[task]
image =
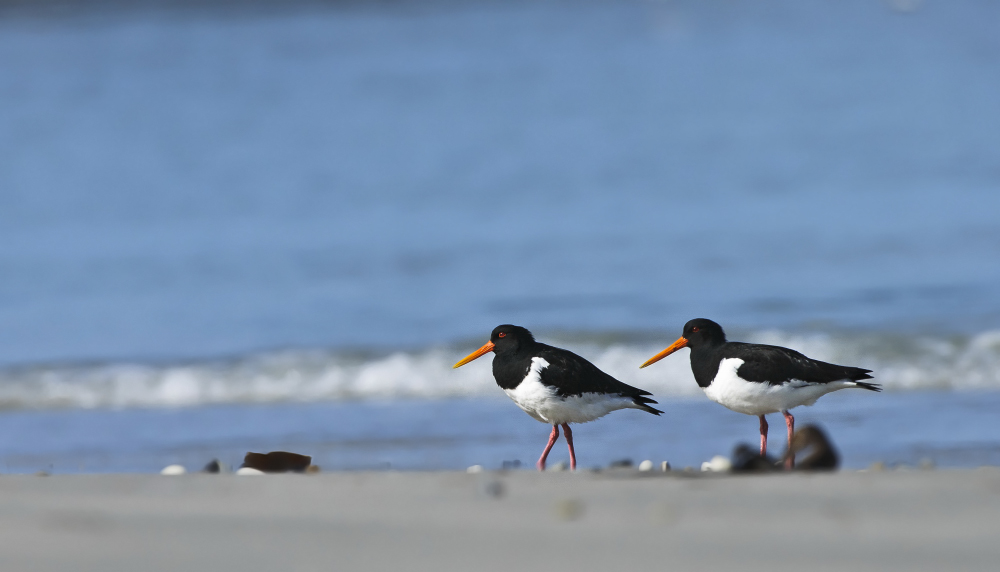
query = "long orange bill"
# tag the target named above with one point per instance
(680, 343)
(483, 350)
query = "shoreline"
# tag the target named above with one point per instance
(949, 429)
(912, 520)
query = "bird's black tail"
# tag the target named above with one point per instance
(643, 403)
(856, 374)
(869, 386)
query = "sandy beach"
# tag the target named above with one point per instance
(893, 520)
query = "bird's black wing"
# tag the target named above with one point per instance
(777, 365)
(570, 375)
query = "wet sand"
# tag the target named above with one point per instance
(893, 520)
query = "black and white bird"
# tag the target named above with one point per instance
(555, 386)
(758, 379)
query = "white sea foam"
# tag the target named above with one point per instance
(900, 363)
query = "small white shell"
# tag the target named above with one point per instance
(718, 464)
(249, 471)
(173, 470)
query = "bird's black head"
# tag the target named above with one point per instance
(697, 333)
(703, 332)
(505, 339)
(508, 338)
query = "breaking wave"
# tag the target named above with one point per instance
(899, 362)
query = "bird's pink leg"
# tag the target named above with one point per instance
(569, 441)
(790, 421)
(552, 441)
(763, 436)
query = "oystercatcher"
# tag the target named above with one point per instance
(757, 379)
(555, 386)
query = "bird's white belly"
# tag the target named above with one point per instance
(754, 398)
(543, 404)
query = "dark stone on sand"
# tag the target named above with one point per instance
(213, 466)
(620, 464)
(746, 459)
(822, 454)
(277, 462)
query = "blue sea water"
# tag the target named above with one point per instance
(230, 211)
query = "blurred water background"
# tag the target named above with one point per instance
(240, 225)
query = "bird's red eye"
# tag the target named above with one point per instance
(695, 329)
(501, 334)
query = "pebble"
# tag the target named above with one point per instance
(665, 466)
(243, 471)
(213, 466)
(718, 464)
(646, 465)
(474, 469)
(173, 470)
(560, 466)
(277, 462)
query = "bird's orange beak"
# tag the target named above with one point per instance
(483, 350)
(680, 343)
